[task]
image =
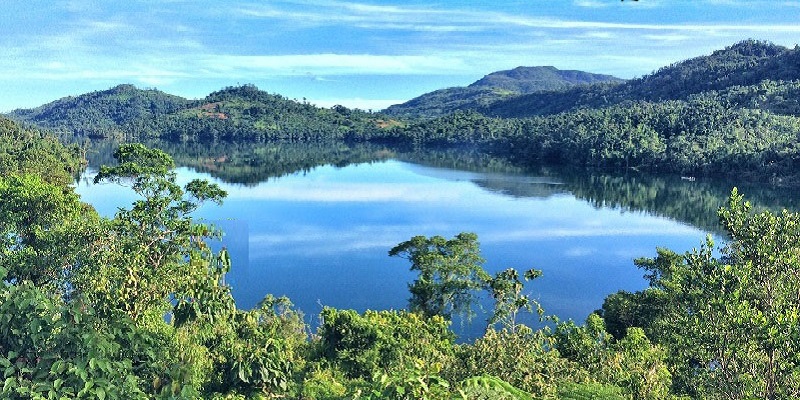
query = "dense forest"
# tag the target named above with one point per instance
(242, 113)
(734, 112)
(493, 88)
(136, 306)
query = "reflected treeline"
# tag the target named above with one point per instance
(250, 164)
(491, 173)
(689, 201)
(694, 202)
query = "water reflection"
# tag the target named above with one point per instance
(320, 234)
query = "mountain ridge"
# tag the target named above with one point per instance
(493, 87)
(745, 63)
(232, 113)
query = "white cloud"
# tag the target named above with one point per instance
(335, 64)
(433, 19)
(326, 192)
(365, 16)
(308, 239)
(591, 3)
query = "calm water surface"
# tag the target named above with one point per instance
(321, 237)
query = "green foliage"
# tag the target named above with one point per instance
(731, 113)
(255, 351)
(49, 349)
(494, 87)
(623, 310)
(700, 135)
(29, 151)
(743, 64)
(524, 358)
(487, 387)
(631, 363)
(323, 384)
(450, 272)
(83, 301)
(409, 382)
(589, 391)
(43, 232)
(730, 323)
(506, 289)
(235, 113)
(122, 112)
(378, 342)
(152, 240)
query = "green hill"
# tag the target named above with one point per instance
(495, 87)
(734, 112)
(123, 110)
(234, 113)
(743, 64)
(247, 113)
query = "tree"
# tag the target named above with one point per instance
(506, 289)
(450, 271)
(731, 323)
(44, 231)
(148, 246)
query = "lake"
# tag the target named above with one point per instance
(321, 236)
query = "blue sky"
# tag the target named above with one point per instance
(364, 53)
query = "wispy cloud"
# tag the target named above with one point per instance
(585, 232)
(367, 16)
(335, 64)
(591, 3)
(326, 192)
(316, 240)
(415, 18)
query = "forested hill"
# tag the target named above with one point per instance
(242, 113)
(743, 64)
(494, 87)
(123, 110)
(734, 112)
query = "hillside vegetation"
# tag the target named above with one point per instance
(743, 64)
(494, 87)
(733, 112)
(242, 113)
(30, 151)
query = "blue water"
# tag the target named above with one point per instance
(321, 237)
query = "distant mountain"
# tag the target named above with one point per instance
(233, 113)
(743, 64)
(534, 79)
(494, 87)
(121, 110)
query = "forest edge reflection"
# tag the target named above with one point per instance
(694, 202)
